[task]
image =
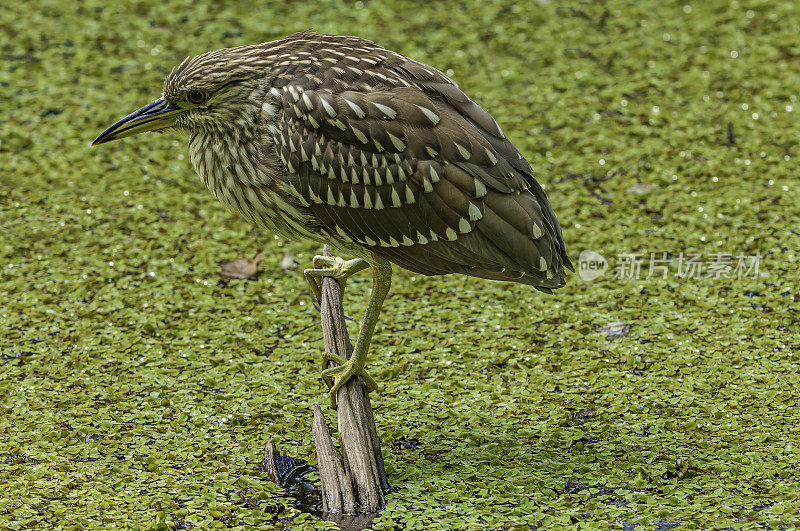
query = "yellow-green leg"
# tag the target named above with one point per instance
(341, 269)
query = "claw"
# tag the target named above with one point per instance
(330, 261)
(336, 377)
(315, 282)
(334, 267)
(326, 357)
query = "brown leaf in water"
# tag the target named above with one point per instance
(242, 268)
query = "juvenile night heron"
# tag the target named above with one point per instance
(336, 139)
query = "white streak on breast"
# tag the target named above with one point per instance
(250, 190)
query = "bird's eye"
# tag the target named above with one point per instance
(196, 96)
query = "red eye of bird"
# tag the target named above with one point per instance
(196, 96)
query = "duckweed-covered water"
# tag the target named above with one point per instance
(137, 389)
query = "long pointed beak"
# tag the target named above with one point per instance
(156, 115)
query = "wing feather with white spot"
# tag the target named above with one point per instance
(390, 154)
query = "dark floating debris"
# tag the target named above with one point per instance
(403, 444)
(283, 468)
(289, 473)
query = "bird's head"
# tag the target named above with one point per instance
(212, 91)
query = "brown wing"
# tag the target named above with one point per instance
(390, 154)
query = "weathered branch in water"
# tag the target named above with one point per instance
(357, 482)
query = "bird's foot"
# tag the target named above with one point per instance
(335, 377)
(334, 267)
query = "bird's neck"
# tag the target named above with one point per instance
(224, 158)
(230, 150)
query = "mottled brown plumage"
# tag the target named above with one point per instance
(337, 139)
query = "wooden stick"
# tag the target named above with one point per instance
(337, 486)
(357, 483)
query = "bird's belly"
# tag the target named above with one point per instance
(260, 206)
